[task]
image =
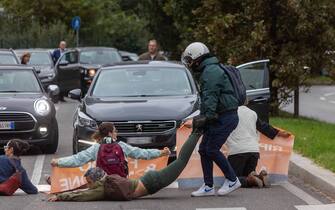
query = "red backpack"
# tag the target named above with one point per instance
(112, 160)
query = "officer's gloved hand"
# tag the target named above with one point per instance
(213, 120)
(199, 122)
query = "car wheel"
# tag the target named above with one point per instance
(52, 148)
(75, 145)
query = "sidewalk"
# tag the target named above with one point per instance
(310, 173)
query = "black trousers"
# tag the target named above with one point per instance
(243, 164)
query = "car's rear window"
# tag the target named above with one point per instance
(142, 82)
(7, 59)
(18, 81)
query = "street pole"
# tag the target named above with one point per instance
(77, 37)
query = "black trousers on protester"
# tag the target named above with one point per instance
(243, 164)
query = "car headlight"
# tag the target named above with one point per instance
(42, 107)
(84, 120)
(187, 121)
(91, 72)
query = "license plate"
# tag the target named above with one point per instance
(4, 125)
(139, 140)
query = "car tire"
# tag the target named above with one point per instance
(51, 148)
(75, 145)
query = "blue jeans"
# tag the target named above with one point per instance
(215, 135)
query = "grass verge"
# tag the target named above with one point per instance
(313, 139)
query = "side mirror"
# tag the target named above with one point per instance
(75, 94)
(126, 58)
(53, 90)
(63, 63)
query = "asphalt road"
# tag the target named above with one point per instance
(280, 197)
(317, 103)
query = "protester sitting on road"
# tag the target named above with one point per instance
(153, 52)
(244, 147)
(114, 187)
(106, 130)
(11, 162)
(25, 58)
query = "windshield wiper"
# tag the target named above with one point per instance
(9, 91)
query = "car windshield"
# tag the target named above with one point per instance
(40, 58)
(142, 82)
(18, 81)
(7, 59)
(99, 56)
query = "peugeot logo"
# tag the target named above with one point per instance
(139, 128)
(2, 108)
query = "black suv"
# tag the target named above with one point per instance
(26, 110)
(148, 101)
(8, 57)
(77, 67)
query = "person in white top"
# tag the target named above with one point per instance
(243, 147)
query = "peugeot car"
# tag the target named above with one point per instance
(149, 100)
(26, 110)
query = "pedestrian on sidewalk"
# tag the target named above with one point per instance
(10, 163)
(153, 52)
(243, 146)
(219, 107)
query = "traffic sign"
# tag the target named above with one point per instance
(75, 23)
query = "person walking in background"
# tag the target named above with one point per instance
(11, 162)
(153, 52)
(219, 107)
(57, 53)
(243, 146)
(25, 58)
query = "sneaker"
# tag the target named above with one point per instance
(204, 190)
(229, 186)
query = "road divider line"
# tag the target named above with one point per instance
(38, 167)
(328, 94)
(322, 98)
(301, 194)
(318, 207)
(232, 208)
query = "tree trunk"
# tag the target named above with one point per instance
(296, 102)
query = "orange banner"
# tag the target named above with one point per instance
(274, 155)
(65, 179)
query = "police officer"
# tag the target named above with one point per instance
(219, 111)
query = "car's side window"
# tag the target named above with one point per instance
(254, 75)
(70, 57)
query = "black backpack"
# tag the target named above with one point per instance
(234, 75)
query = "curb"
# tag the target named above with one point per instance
(310, 173)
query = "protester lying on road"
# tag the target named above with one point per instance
(107, 131)
(114, 187)
(244, 148)
(10, 163)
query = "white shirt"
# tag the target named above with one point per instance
(245, 137)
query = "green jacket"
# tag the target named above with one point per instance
(216, 91)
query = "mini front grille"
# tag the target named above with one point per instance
(22, 121)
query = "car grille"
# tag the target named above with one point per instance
(145, 127)
(22, 121)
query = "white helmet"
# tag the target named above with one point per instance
(192, 52)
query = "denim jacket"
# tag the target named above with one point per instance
(91, 153)
(7, 170)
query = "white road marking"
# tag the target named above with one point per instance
(173, 185)
(38, 167)
(333, 102)
(318, 207)
(301, 194)
(322, 98)
(232, 208)
(328, 94)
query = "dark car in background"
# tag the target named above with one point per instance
(41, 60)
(8, 57)
(77, 67)
(26, 109)
(149, 100)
